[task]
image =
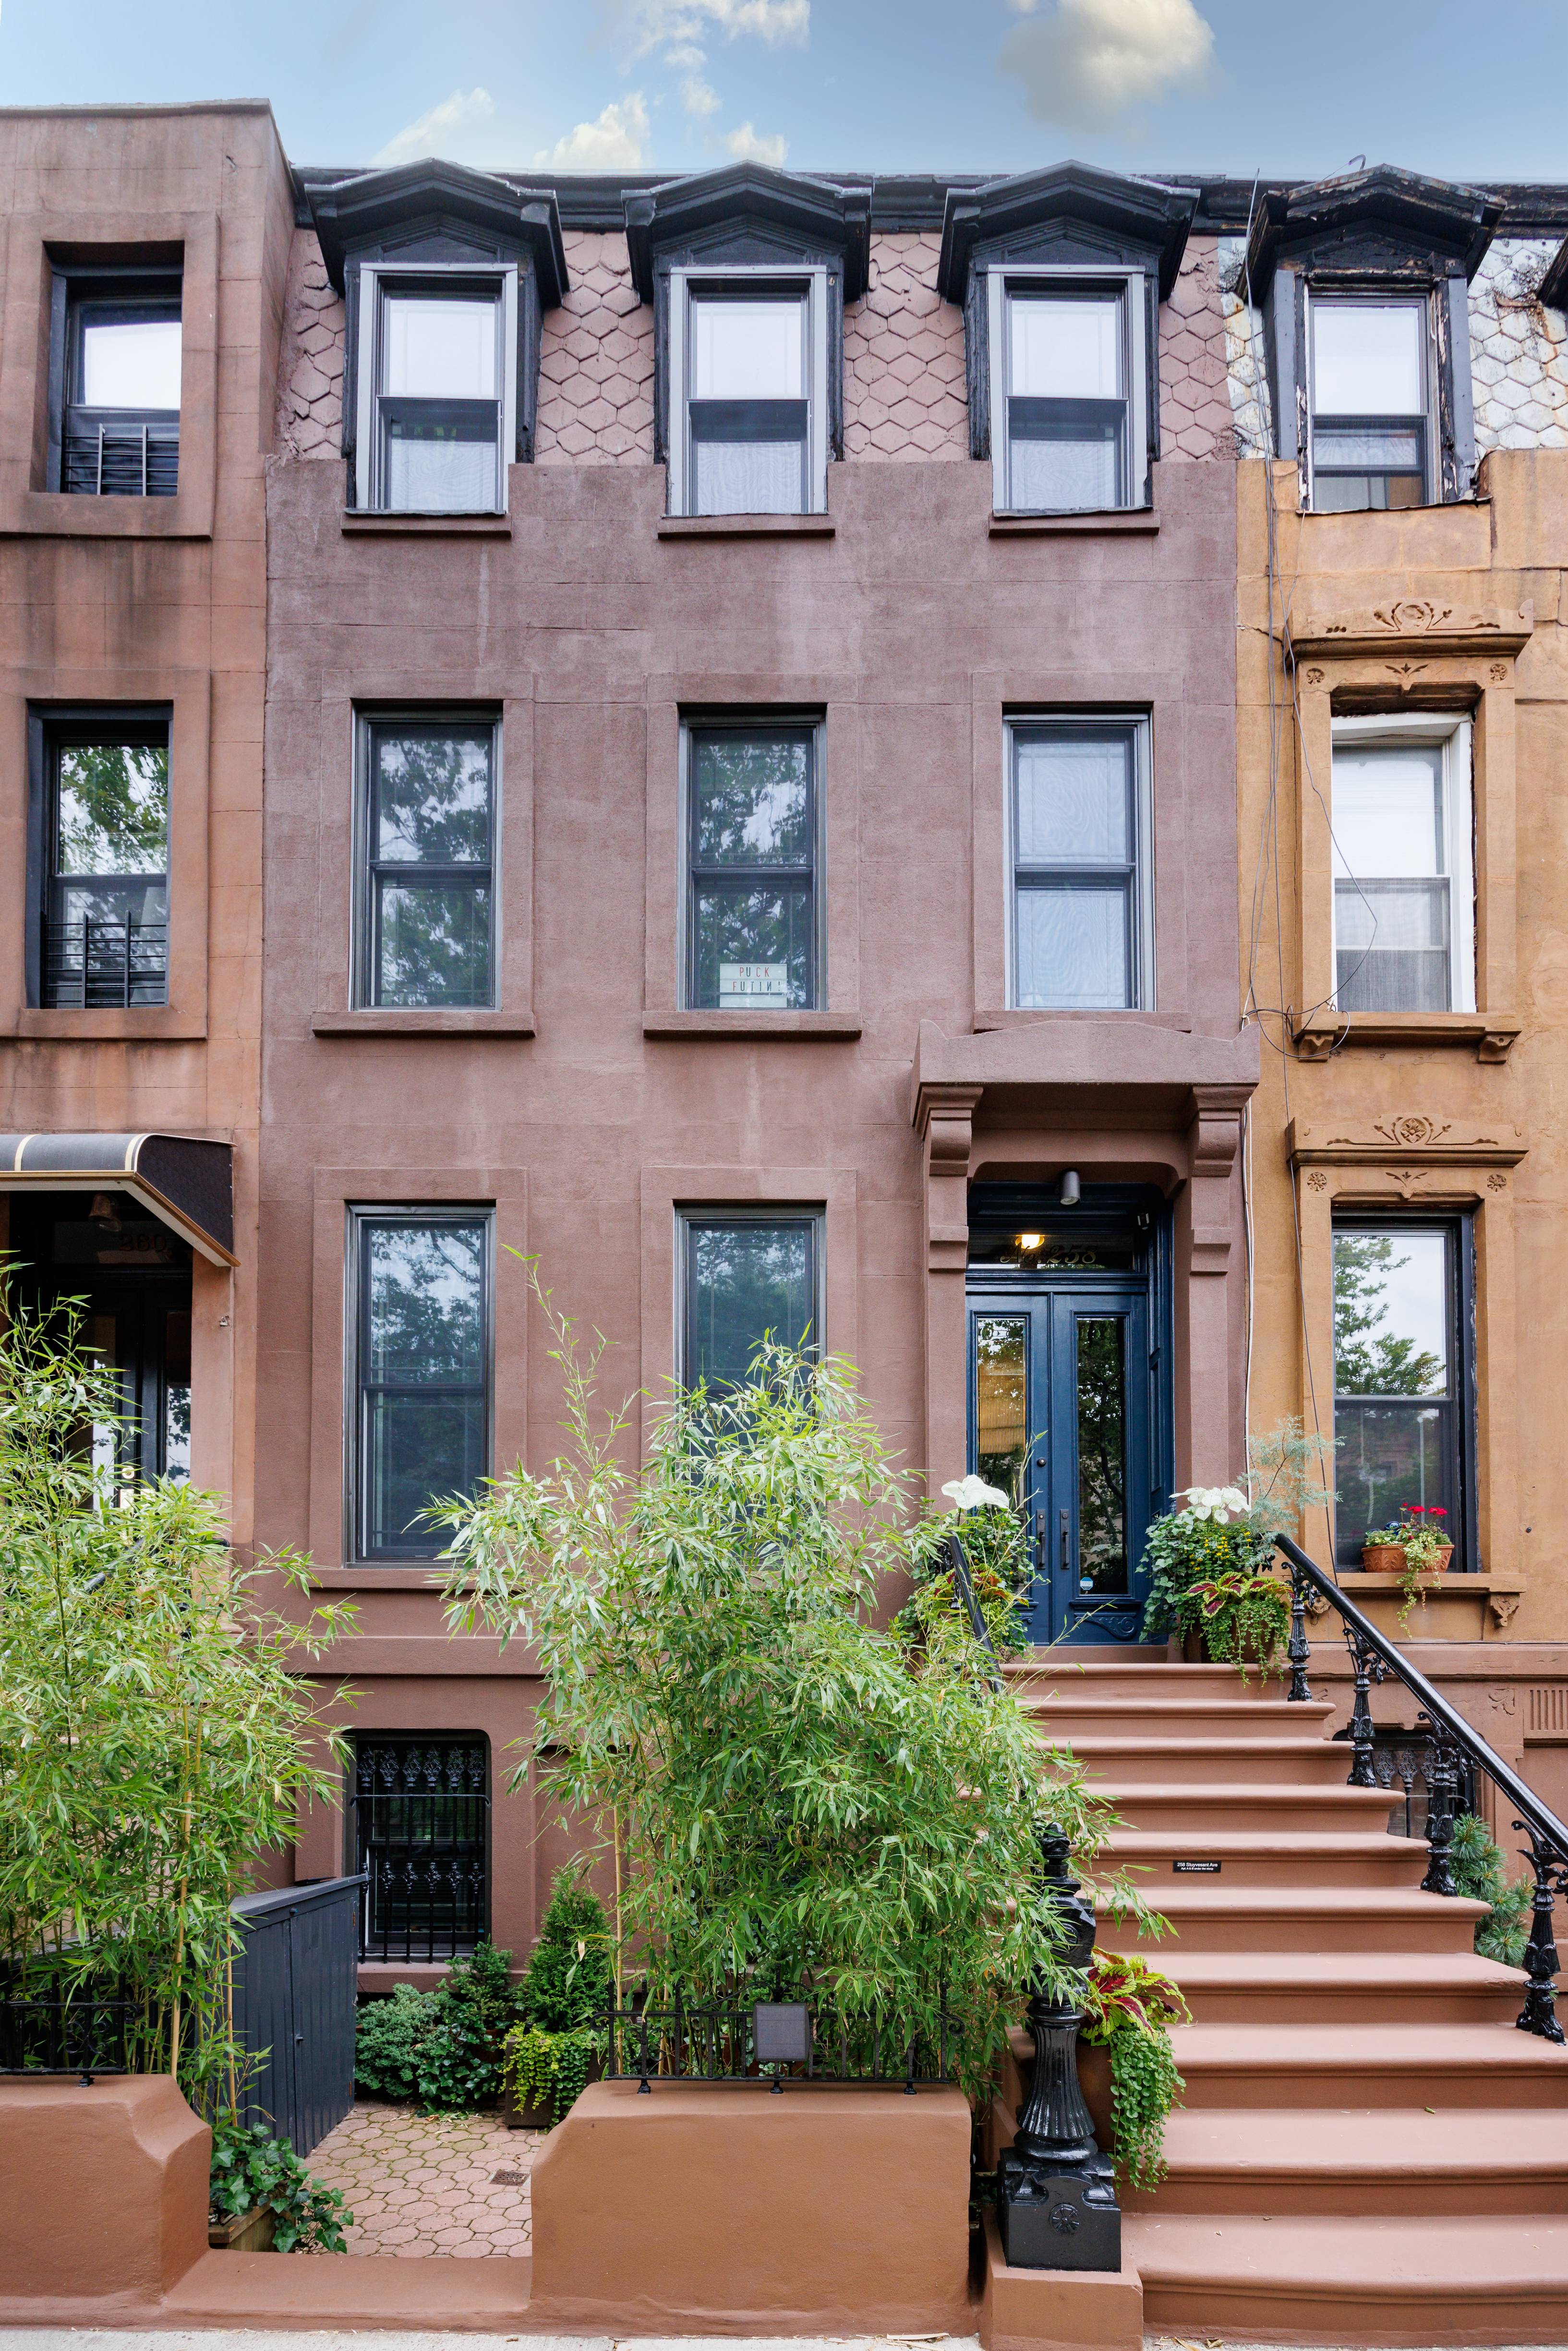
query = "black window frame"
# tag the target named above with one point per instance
(1135, 875)
(381, 1759)
(1371, 298)
(1459, 1443)
(696, 877)
(369, 870)
(130, 442)
(50, 729)
(713, 1215)
(365, 1218)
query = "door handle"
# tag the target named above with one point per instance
(1039, 1540)
(1066, 1539)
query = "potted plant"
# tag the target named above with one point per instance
(1213, 1576)
(1425, 1551)
(1132, 2007)
(1383, 1550)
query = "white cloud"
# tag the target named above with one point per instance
(699, 96)
(442, 130)
(1092, 59)
(748, 147)
(654, 24)
(614, 142)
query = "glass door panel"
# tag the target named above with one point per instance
(1102, 1434)
(1001, 1403)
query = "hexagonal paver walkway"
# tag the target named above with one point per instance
(427, 2184)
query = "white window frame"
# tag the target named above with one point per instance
(747, 1212)
(810, 282)
(1455, 734)
(1377, 297)
(375, 277)
(1141, 991)
(1132, 286)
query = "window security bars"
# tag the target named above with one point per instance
(766, 2042)
(420, 1836)
(1454, 1753)
(1400, 1763)
(90, 964)
(126, 459)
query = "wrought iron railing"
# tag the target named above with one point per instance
(766, 2042)
(50, 2030)
(122, 460)
(1452, 1748)
(94, 964)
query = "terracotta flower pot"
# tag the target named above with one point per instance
(1384, 1559)
(1439, 1565)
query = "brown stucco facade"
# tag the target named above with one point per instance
(153, 601)
(588, 1106)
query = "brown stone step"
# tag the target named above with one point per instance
(1343, 1987)
(1392, 2160)
(1174, 1806)
(1069, 1716)
(1208, 1916)
(1262, 1857)
(1291, 1762)
(1354, 2064)
(1049, 1671)
(1346, 2278)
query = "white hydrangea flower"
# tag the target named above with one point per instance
(974, 1494)
(1219, 1503)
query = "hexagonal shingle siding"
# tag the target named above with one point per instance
(904, 359)
(310, 363)
(596, 362)
(1196, 418)
(1519, 351)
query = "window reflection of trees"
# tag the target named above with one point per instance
(1103, 1453)
(746, 1280)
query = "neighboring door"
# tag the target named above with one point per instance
(1059, 1391)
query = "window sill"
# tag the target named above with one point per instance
(133, 1024)
(1490, 1036)
(1040, 1015)
(60, 513)
(1136, 521)
(390, 1020)
(426, 526)
(419, 1575)
(804, 525)
(830, 1027)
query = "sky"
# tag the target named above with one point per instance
(1456, 89)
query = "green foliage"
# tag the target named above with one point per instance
(114, 808)
(440, 2049)
(1209, 1565)
(152, 1732)
(995, 1546)
(1478, 1866)
(547, 2070)
(1369, 1360)
(571, 1976)
(1245, 1617)
(1183, 1551)
(251, 2168)
(1132, 2008)
(788, 1805)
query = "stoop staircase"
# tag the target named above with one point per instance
(1368, 2149)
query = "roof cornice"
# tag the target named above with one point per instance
(1444, 217)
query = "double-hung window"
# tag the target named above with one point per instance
(1402, 1376)
(114, 424)
(746, 1275)
(421, 1281)
(752, 833)
(1371, 402)
(1404, 910)
(747, 381)
(1080, 832)
(1068, 374)
(427, 829)
(437, 388)
(101, 827)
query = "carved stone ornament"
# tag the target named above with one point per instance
(1498, 672)
(1405, 1146)
(1411, 621)
(1410, 1131)
(1406, 670)
(1504, 1606)
(1497, 1181)
(1318, 1180)
(1315, 677)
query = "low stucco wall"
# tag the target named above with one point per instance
(727, 2210)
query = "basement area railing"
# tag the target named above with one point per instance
(766, 2042)
(1455, 1754)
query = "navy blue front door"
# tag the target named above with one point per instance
(1060, 1383)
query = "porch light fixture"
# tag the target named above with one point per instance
(1071, 1191)
(1029, 1242)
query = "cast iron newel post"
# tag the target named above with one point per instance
(1298, 1652)
(1442, 1785)
(1056, 2192)
(1539, 2015)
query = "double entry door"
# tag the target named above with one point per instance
(1060, 1394)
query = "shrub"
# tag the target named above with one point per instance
(789, 1806)
(566, 1988)
(251, 2168)
(1478, 1866)
(997, 1548)
(440, 2049)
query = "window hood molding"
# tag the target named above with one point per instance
(377, 206)
(1121, 211)
(1409, 621)
(785, 207)
(1381, 218)
(186, 1181)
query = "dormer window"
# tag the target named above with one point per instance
(1370, 420)
(748, 271)
(1070, 372)
(746, 381)
(442, 394)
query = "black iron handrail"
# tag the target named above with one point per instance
(977, 1625)
(1376, 1658)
